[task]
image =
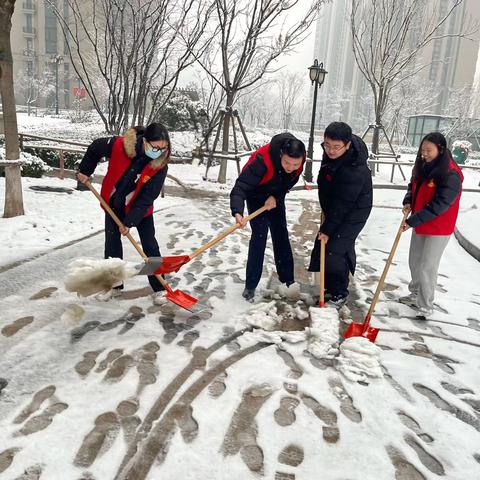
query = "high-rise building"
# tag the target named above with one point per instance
(341, 95)
(450, 62)
(41, 66)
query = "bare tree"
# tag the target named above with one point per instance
(32, 87)
(459, 107)
(211, 97)
(413, 97)
(290, 85)
(252, 35)
(388, 36)
(136, 49)
(13, 175)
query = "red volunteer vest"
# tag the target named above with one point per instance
(117, 166)
(267, 160)
(444, 224)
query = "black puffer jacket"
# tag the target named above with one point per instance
(345, 191)
(248, 185)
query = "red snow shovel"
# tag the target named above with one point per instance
(176, 296)
(174, 263)
(364, 329)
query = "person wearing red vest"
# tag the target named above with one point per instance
(269, 174)
(136, 173)
(433, 198)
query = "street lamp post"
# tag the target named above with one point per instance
(317, 76)
(56, 59)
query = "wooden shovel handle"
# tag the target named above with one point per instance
(322, 265)
(227, 232)
(322, 273)
(109, 210)
(387, 266)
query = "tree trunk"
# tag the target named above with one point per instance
(378, 121)
(13, 178)
(222, 174)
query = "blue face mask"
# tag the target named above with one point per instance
(154, 154)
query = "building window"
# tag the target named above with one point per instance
(50, 31)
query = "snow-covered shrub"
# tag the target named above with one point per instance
(51, 157)
(33, 166)
(181, 113)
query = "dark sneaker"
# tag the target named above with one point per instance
(248, 294)
(336, 301)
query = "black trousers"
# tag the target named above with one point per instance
(274, 220)
(146, 231)
(340, 260)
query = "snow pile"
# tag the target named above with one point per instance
(72, 315)
(323, 334)
(291, 293)
(264, 316)
(359, 359)
(86, 276)
(265, 319)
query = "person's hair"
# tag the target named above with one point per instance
(293, 148)
(153, 133)
(156, 131)
(442, 162)
(338, 131)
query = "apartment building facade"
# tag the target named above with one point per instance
(43, 75)
(450, 62)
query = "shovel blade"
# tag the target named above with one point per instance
(362, 330)
(354, 330)
(171, 264)
(150, 266)
(371, 334)
(181, 299)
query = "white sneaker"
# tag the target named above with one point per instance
(409, 300)
(106, 296)
(159, 298)
(424, 313)
(336, 302)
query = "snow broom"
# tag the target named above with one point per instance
(176, 296)
(174, 263)
(364, 329)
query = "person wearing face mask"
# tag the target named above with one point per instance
(269, 174)
(433, 199)
(345, 195)
(137, 168)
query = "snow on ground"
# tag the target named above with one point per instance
(230, 391)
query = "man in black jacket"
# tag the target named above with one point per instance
(345, 195)
(268, 175)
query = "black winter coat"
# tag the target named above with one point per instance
(345, 191)
(247, 186)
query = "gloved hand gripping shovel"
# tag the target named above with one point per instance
(364, 329)
(174, 263)
(176, 296)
